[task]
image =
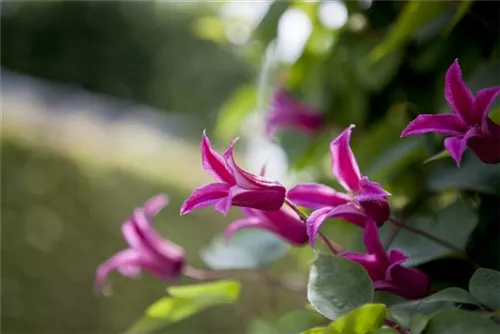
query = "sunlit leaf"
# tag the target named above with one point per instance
(484, 285)
(414, 16)
(248, 249)
(184, 302)
(337, 286)
(363, 320)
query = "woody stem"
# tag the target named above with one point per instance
(332, 246)
(425, 234)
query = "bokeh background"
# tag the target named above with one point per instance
(103, 105)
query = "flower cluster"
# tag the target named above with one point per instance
(266, 204)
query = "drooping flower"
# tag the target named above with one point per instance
(285, 223)
(386, 270)
(147, 250)
(468, 126)
(289, 113)
(364, 198)
(234, 186)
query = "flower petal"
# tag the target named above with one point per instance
(378, 209)
(444, 124)
(344, 165)
(484, 100)
(396, 257)
(456, 147)
(205, 196)
(290, 113)
(347, 212)
(224, 205)
(213, 163)
(459, 96)
(249, 222)
(154, 205)
(371, 190)
(411, 283)
(373, 244)
(375, 269)
(287, 224)
(486, 148)
(316, 196)
(127, 260)
(270, 199)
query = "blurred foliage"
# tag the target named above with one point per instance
(379, 70)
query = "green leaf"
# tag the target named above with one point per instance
(184, 302)
(429, 304)
(248, 249)
(230, 117)
(363, 320)
(459, 322)
(385, 330)
(418, 323)
(484, 285)
(453, 223)
(472, 175)
(459, 14)
(414, 16)
(337, 286)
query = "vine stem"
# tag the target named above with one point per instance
(332, 246)
(429, 236)
(259, 276)
(396, 326)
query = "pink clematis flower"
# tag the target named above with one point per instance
(289, 113)
(285, 223)
(147, 250)
(364, 198)
(468, 126)
(386, 270)
(234, 186)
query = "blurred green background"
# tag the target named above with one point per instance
(104, 104)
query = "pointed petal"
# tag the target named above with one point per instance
(205, 196)
(372, 241)
(410, 283)
(287, 224)
(154, 205)
(224, 205)
(444, 124)
(127, 260)
(484, 100)
(250, 222)
(250, 181)
(371, 190)
(344, 164)
(375, 269)
(314, 223)
(486, 148)
(458, 95)
(345, 212)
(213, 163)
(316, 196)
(396, 257)
(263, 199)
(456, 147)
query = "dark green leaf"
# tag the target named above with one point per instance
(484, 285)
(459, 322)
(472, 175)
(434, 302)
(454, 224)
(248, 249)
(184, 302)
(337, 286)
(418, 323)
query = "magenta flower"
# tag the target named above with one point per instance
(364, 198)
(468, 126)
(234, 186)
(289, 113)
(147, 250)
(386, 270)
(285, 223)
